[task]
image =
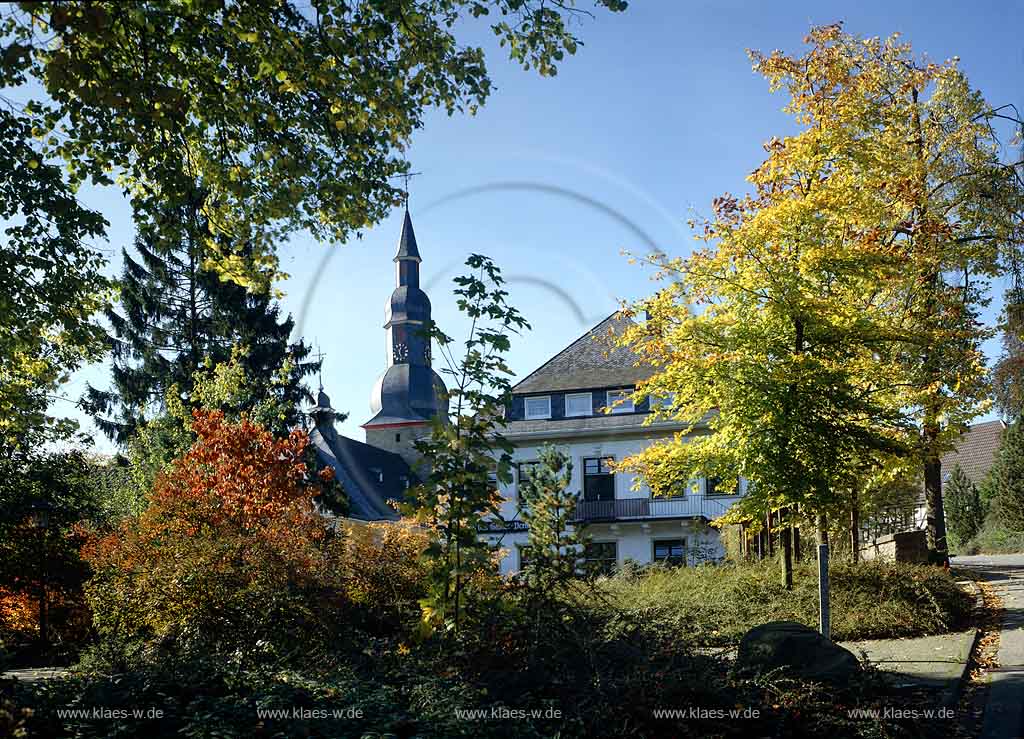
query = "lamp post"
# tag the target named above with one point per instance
(39, 519)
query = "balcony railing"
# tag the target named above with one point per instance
(634, 509)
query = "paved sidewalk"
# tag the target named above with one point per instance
(935, 662)
(33, 674)
(1004, 714)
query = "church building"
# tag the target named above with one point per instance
(578, 401)
(402, 403)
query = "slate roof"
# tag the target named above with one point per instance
(975, 450)
(369, 475)
(407, 248)
(592, 361)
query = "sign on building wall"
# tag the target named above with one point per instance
(500, 526)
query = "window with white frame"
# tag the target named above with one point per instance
(601, 557)
(670, 551)
(663, 400)
(713, 486)
(620, 401)
(578, 404)
(538, 407)
(524, 556)
(523, 471)
(492, 476)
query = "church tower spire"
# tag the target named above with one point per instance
(409, 393)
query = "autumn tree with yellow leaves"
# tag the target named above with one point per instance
(828, 333)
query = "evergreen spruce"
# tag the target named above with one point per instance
(556, 545)
(175, 316)
(1007, 478)
(1008, 373)
(964, 511)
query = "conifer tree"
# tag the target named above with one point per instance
(556, 544)
(964, 511)
(1007, 479)
(175, 315)
(1008, 373)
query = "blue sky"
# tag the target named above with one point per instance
(658, 113)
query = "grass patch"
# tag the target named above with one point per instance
(994, 538)
(717, 605)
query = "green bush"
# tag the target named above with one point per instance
(994, 538)
(716, 605)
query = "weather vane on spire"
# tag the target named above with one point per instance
(319, 357)
(405, 177)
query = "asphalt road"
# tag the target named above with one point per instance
(1004, 714)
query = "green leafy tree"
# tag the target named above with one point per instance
(556, 544)
(1007, 479)
(293, 115)
(771, 339)
(464, 447)
(50, 283)
(964, 511)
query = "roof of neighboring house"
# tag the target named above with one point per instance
(370, 476)
(592, 361)
(975, 450)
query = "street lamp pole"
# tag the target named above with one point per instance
(40, 520)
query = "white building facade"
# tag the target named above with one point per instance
(565, 403)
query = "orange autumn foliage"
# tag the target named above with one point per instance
(236, 479)
(229, 542)
(18, 613)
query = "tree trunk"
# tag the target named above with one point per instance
(786, 534)
(768, 533)
(935, 517)
(825, 616)
(855, 528)
(935, 514)
(795, 532)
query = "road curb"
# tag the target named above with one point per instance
(977, 613)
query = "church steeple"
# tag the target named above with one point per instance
(407, 312)
(407, 248)
(409, 393)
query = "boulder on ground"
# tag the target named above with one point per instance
(798, 651)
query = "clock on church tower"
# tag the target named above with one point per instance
(409, 393)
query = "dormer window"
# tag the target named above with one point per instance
(538, 407)
(578, 404)
(620, 401)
